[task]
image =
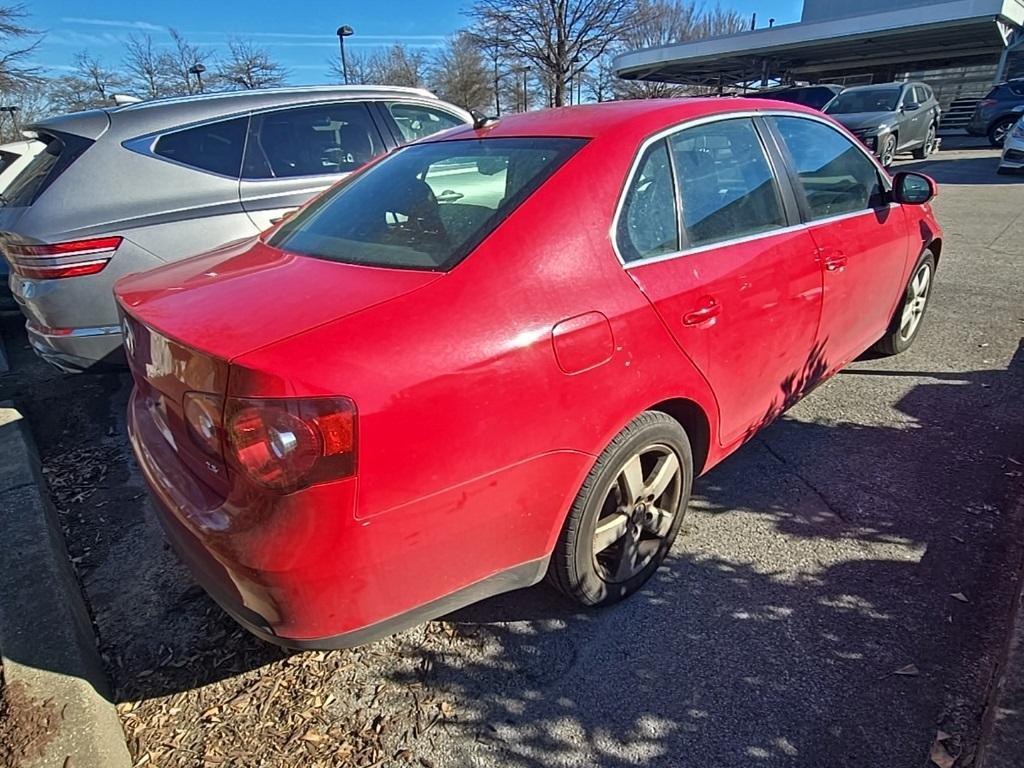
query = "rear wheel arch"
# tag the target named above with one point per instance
(695, 423)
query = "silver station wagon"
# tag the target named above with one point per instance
(129, 188)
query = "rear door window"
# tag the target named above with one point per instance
(426, 206)
(836, 176)
(726, 184)
(318, 140)
(214, 147)
(416, 121)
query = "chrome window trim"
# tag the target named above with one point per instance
(749, 114)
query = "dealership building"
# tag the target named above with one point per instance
(959, 47)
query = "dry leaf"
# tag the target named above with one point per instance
(960, 596)
(940, 755)
(910, 670)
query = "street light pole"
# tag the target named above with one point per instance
(344, 31)
(197, 69)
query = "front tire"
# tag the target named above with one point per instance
(906, 322)
(887, 153)
(627, 514)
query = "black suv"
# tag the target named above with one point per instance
(994, 115)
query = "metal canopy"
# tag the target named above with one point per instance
(940, 34)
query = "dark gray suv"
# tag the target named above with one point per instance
(994, 115)
(126, 189)
(890, 118)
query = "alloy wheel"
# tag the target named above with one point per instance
(917, 299)
(639, 509)
(1000, 131)
(888, 151)
(929, 142)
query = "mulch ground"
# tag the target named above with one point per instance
(26, 725)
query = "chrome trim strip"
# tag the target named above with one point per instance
(85, 332)
(693, 123)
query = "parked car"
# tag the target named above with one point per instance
(994, 115)
(507, 352)
(890, 118)
(129, 188)
(1012, 160)
(813, 96)
(13, 158)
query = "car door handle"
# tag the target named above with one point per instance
(709, 309)
(836, 262)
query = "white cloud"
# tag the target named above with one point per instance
(144, 25)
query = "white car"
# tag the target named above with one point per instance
(1013, 147)
(15, 156)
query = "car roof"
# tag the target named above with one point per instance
(881, 86)
(628, 118)
(159, 114)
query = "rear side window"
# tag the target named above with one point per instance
(1016, 87)
(426, 206)
(60, 152)
(311, 141)
(214, 147)
(6, 158)
(726, 183)
(835, 175)
(648, 223)
(417, 122)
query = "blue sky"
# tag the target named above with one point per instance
(301, 40)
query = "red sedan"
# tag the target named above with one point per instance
(506, 352)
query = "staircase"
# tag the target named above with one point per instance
(959, 114)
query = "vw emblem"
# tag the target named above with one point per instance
(129, 337)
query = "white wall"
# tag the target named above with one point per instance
(819, 10)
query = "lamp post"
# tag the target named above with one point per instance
(344, 31)
(13, 111)
(526, 99)
(197, 69)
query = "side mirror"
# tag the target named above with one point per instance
(911, 106)
(912, 188)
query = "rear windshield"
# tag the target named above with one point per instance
(868, 100)
(427, 206)
(815, 98)
(61, 150)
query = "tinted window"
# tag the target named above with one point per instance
(311, 141)
(60, 152)
(418, 122)
(1016, 87)
(648, 222)
(6, 158)
(867, 100)
(836, 176)
(215, 147)
(426, 206)
(725, 182)
(917, 95)
(815, 97)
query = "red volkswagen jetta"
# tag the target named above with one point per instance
(506, 352)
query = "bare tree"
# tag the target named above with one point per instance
(15, 48)
(459, 73)
(33, 103)
(250, 66)
(90, 84)
(182, 57)
(147, 67)
(360, 68)
(664, 22)
(558, 37)
(400, 65)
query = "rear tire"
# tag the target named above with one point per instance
(627, 514)
(925, 150)
(999, 130)
(907, 320)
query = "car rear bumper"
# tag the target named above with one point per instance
(74, 350)
(266, 578)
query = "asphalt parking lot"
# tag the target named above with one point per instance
(839, 594)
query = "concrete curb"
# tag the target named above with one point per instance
(46, 637)
(1002, 739)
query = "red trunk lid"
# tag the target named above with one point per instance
(245, 296)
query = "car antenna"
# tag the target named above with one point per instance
(480, 120)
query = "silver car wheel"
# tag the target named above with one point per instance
(917, 299)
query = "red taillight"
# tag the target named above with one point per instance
(57, 260)
(988, 102)
(288, 444)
